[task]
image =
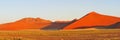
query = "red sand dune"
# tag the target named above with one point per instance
(25, 23)
(93, 19)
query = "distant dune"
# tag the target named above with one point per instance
(25, 23)
(93, 19)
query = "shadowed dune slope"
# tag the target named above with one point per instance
(113, 26)
(93, 19)
(57, 25)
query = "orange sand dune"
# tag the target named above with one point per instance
(26, 23)
(93, 19)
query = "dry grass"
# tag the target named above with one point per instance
(103, 34)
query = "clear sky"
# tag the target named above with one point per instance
(11, 10)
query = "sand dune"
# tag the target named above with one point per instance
(25, 23)
(92, 20)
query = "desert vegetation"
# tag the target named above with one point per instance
(82, 34)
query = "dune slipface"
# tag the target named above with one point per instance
(93, 19)
(25, 23)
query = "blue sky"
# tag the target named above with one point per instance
(11, 10)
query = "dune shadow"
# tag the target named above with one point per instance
(58, 25)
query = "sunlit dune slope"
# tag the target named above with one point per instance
(93, 19)
(25, 23)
